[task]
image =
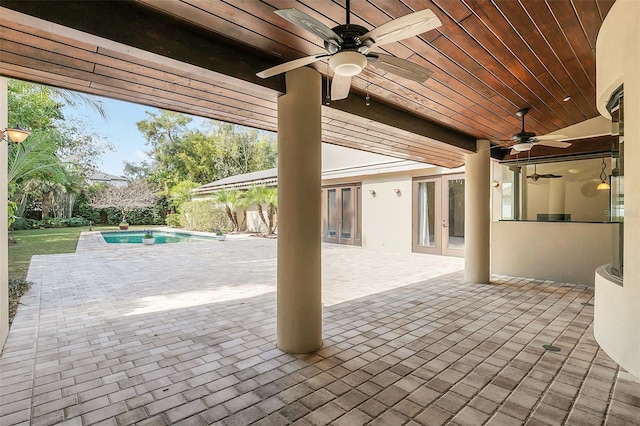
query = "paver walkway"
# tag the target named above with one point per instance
(185, 334)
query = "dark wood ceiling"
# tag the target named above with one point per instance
(490, 58)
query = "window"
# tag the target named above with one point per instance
(556, 191)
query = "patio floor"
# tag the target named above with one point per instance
(185, 334)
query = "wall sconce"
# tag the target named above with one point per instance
(15, 135)
(372, 192)
(603, 186)
(495, 183)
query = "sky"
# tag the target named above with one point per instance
(120, 129)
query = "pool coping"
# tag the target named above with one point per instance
(93, 240)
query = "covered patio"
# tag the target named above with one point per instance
(185, 334)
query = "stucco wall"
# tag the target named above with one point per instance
(566, 252)
(617, 309)
(386, 217)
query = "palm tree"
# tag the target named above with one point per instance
(272, 209)
(222, 197)
(244, 202)
(257, 195)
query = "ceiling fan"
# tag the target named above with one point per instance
(524, 140)
(348, 47)
(535, 176)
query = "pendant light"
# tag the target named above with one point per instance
(603, 186)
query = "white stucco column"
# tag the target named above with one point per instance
(4, 237)
(477, 214)
(616, 324)
(299, 213)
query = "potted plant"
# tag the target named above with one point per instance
(123, 226)
(220, 236)
(148, 237)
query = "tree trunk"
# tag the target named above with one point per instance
(235, 220)
(243, 225)
(262, 218)
(227, 209)
(271, 214)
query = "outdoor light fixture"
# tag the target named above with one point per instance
(603, 186)
(15, 135)
(372, 192)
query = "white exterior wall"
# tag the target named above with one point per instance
(386, 217)
(617, 309)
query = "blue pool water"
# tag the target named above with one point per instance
(135, 237)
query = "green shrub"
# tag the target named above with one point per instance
(175, 220)
(20, 224)
(204, 216)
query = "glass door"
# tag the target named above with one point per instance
(453, 222)
(341, 215)
(426, 216)
(438, 215)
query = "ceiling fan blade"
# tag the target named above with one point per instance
(340, 86)
(551, 137)
(310, 24)
(554, 144)
(291, 65)
(550, 176)
(406, 26)
(400, 67)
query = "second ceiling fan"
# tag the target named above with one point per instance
(524, 140)
(348, 47)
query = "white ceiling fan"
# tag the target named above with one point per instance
(524, 140)
(348, 47)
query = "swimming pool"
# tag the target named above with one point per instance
(162, 237)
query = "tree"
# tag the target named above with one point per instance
(258, 195)
(181, 193)
(179, 152)
(229, 200)
(136, 194)
(271, 198)
(59, 152)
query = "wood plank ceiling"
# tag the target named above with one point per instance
(490, 58)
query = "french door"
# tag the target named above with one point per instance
(341, 214)
(438, 215)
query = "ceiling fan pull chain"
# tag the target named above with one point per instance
(328, 98)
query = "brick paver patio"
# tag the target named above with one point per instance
(185, 334)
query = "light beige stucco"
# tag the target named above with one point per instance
(4, 237)
(299, 314)
(565, 252)
(386, 216)
(477, 214)
(617, 309)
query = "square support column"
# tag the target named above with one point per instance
(299, 312)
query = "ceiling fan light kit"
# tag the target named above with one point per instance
(348, 63)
